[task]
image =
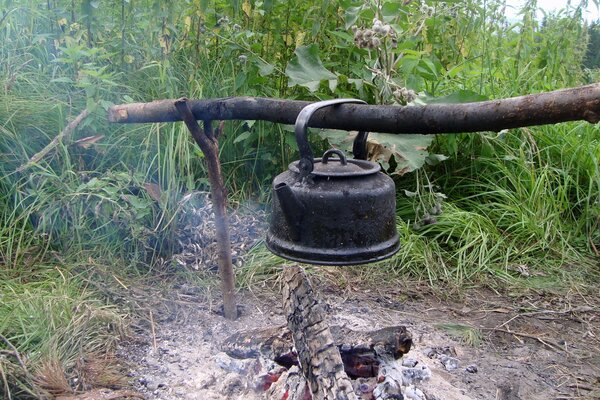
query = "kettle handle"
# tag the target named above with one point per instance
(306, 162)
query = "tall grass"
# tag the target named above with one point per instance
(55, 326)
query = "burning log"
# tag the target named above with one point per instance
(319, 358)
(581, 103)
(362, 352)
(334, 362)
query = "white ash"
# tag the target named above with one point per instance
(413, 375)
(195, 233)
(450, 363)
(413, 393)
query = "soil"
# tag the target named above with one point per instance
(550, 351)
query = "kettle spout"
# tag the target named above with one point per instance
(292, 208)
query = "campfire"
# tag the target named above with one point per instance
(308, 359)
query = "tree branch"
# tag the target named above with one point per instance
(210, 147)
(582, 103)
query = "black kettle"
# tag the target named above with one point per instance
(332, 210)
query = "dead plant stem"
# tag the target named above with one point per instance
(64, 134)
(154, 346)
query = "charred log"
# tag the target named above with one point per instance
(361, 351)
(319, 358)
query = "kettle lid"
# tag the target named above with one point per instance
(338, 167)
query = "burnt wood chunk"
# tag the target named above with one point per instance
(319, 358)
(361, 351)
(273, 343)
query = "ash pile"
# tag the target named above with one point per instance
(196, 238)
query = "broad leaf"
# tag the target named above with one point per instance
(338, 138)
(306, 69)
(390, 11)
(242, 136)
(408, 151)
(461, 96)
(264, 68)
(351, 15)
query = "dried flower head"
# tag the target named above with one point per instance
(404, 95)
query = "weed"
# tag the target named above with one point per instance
(465, 333)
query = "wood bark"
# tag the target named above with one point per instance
(208, 141)
(319, 358)
(582, 103)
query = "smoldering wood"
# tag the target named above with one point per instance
(319, 358)
(581, 103)
(328, 357)
(362, 352)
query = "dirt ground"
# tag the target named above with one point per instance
(530, 348)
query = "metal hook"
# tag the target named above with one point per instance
(306, 163)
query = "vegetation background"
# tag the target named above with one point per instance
(516, 210)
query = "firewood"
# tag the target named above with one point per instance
(361, 351)
(319, 358)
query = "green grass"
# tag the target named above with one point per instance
(51, 319)
(467, 334)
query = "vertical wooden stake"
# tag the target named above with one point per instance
(208, 141)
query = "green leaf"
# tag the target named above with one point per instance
(426, 69)
(409, 151)
(243, 136)
(461, 96)
(351, 15)
(390, 10)
(264, 68)
(136, 202)
(358, 83)
(456, 70)
(338, 138)
(333, 84)
(345, 36)
(435, 159)
(306, 69)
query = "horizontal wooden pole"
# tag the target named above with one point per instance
(581, 103)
